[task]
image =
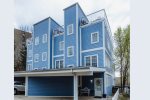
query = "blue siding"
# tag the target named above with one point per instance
(109, 85)
(100, 57)
(86, 36)
(40, 29)
(58, 39)
(70, 40)
(50, 86)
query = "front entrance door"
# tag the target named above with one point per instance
(98, 86)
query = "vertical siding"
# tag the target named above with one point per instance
(50, 86)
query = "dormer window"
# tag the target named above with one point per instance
(70, 29)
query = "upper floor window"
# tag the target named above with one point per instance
(59, 64)
(70, 29)
(44, 56)
(91, 61)
(44, 38)
(36, 41)
(29, 66)
(61, 45)
(36, 57)
(29, 53)
(70, 51)
(94, 37)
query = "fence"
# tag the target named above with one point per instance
(115, 97)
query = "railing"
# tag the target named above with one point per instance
(98, 15)
(115, 97)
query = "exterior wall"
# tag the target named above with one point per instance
(86, 36)
(109, 84)
(70, 40)
(99, 53)
(40, 29)
(50, 86)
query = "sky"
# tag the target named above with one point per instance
(28, 12)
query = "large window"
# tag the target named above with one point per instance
(36, 57)
(36, 41)
(70, 51)
(61, 45)
(44, 56)
(91, 61)
(70, 29)
(29, 67)
(94, 37)
(44, 38)
(59, 64)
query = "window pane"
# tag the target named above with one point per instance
(94, 37)
(61, 63)
(61, 45)
(70, 51)
(57, 64)
(94, 61)
(87, 61)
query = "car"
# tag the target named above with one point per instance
(19, 87)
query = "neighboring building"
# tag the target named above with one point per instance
(18, 41)
(61, 59)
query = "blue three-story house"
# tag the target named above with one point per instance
(70, 60)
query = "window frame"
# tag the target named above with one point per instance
(59, 63)
(36, 40)
(92, 37)
(44, 38)
(70, 25)
(43, 56)
(30, 67)
(36, 55)
(91, 60)
(29, 53)
(61, 49)
(68, 51)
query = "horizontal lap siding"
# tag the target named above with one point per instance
(50, 86)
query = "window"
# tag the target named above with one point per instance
(94, 37)
(44, 56)
(44, 38)
(59, 64)
(70, 51)
(29, 53)
(29, 67)
(70, 29)
(61, 45)
(36, 57)
(36, 41)
(91, 61)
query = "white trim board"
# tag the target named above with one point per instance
(89, 50)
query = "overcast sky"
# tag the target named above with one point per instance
(28, 12)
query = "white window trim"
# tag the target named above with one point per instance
(92, 38)
(70, 65)
(36, 39)
(44, 38)
(35, 56)
(72, 52)
(90, 59)
(61, 49)
(59, 62)
(43, 56)
(29, 53)
(68, 29)
(30, 67)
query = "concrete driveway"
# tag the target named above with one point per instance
(22, 97)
